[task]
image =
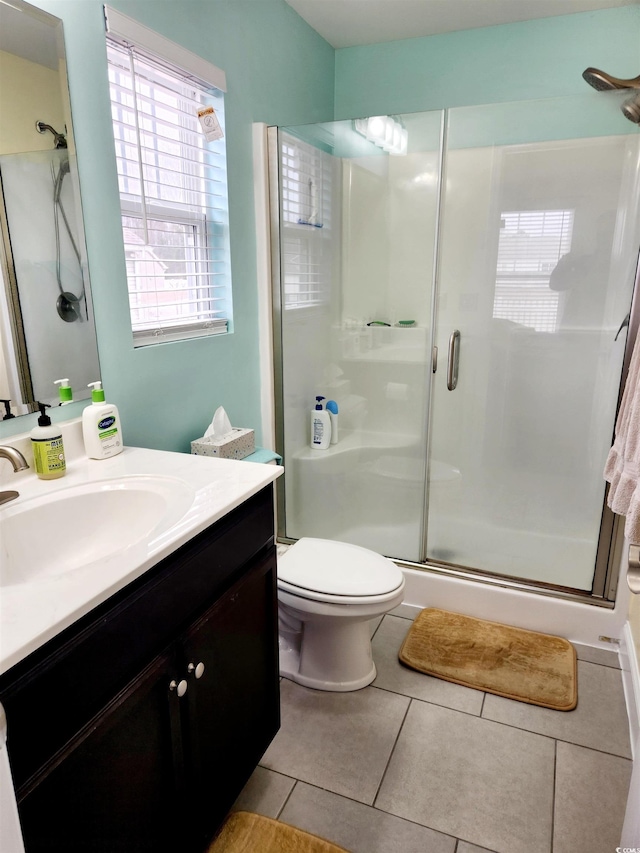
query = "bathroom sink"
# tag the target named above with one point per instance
(86, 525)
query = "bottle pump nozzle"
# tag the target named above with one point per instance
(97, 394)
(319, 403)
(7, 408)
(44, 419)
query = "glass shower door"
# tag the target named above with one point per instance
(538, 250)
(357, 245)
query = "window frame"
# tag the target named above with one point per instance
(211, 238)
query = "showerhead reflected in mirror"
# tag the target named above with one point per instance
(46, 313)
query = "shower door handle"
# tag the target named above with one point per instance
(453, 361)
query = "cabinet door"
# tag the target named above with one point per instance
(234, 706)
(116, 786)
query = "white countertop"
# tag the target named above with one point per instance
(32, 613)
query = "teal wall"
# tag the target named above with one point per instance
(544, 58)
(279, 71)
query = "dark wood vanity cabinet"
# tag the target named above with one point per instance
(190, 656)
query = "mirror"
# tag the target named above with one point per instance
(47, 331)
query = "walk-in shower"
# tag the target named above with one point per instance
(475, 436)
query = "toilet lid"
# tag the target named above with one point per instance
(337, 568)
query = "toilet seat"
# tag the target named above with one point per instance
(309, 595)
(325, 570)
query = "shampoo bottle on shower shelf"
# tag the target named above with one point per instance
(101, 426)
(320, 427)
(48, 450)
(332, 408)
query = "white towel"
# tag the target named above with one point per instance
(623, 463)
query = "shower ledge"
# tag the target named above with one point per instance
(357, 439)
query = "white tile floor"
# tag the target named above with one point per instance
(413, 764)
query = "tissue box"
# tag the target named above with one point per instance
(232, 445)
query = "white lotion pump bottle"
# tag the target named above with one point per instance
(101, 426)
(320, 427)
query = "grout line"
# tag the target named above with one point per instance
(343, 796)
(391, 754)
(553, 795)
(558, 739)
(605, 665)
(284, 805)
(426, 701)
(378, 627)
(399, 616)
(594, 749)
(382, 811)
(277, 772)
(502, 723)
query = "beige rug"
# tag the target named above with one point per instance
(536, 668)
(244, 832)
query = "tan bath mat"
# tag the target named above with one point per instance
(245, 832)
(536, 668)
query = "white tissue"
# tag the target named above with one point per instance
(220, 425)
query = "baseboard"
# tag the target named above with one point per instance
(631, 681)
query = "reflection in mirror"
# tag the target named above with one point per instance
(47, 331)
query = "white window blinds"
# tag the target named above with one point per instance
(530, 245)
(173, 197)
(306, 178)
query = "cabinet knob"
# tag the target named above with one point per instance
(197, 669)
(179, 686)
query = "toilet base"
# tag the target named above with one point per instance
(336, 653)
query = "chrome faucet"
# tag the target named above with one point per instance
(18, 462)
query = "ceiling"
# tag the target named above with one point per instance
(31, 35)
(344, 23)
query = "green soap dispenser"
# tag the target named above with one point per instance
(48, 449)
(65, 392)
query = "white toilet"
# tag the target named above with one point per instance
(327, 594)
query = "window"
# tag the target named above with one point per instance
(531, 244)
(306, 223)
(173, 196)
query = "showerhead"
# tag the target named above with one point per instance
(604, 82)
(58, 177)
(631, 109)
(59, 139)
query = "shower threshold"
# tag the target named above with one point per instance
(463, 573)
